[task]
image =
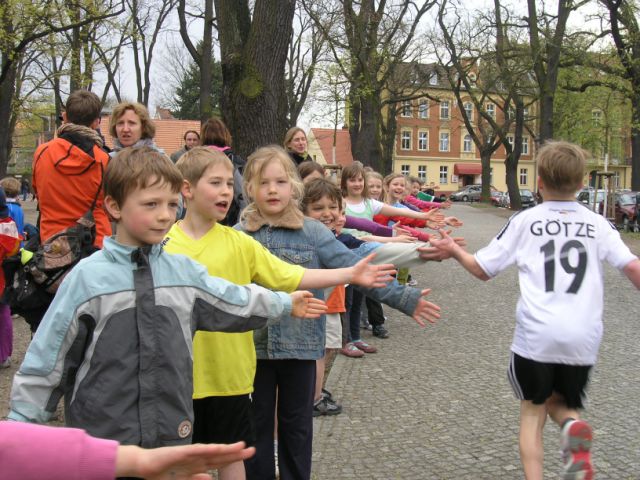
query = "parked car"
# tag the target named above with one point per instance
(496, 198)
(470, 193)
(526, 199)
(587, 195)
(626, 209)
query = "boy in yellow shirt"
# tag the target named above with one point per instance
(224, 365)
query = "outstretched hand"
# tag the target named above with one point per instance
(453, 222)
(304, 305)
(371, 276)
(426, 310)
(186, 462)
(438, 251)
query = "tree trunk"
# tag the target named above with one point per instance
(635, 141)
(511, 164)
(366, 140)
(485, 162)
(253, 58)
(7, 93)
(206, 109)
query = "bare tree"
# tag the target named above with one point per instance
(626, 36)
(368, 42)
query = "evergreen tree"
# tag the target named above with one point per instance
(186, 101)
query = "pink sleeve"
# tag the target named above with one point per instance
(34, 452)
(420, 203)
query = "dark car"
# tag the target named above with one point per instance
(626, 210)
(526, 199)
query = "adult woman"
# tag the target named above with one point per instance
(131, 126)
(295, 142)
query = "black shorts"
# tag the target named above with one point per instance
(224, 420)
(536, 381)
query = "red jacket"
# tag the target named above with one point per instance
(66, 180)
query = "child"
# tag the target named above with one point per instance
(116, 341)
(558, 247)
(374, 185)
(11, 188)
(225, 363)
(9, 244)
(287, 354)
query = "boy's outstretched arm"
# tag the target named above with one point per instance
(363, 273)
(447, 245)
(632, 271)
(426, 310)
(304, 305)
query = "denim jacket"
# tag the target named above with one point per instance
(312, 246)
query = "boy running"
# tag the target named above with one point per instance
(559, 247)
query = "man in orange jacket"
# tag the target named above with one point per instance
(68, 170)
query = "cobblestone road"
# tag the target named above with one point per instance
(435, 403)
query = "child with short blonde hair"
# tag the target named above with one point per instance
(559, 247)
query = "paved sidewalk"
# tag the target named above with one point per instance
(435, 403)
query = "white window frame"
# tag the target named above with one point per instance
(491, 109)
(467, 144)
(405, 111)
(446, 139)
(468, 108)
(425, 134)
(433, 78)
(524, 175)
(423, 108)
(406, 137)
(405, 170)
(422, 172)
(445, 110)
(444, 174)
(525, 145)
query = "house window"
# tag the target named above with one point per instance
(422, 172)
(406, 109)
(596, 117)
(491, 109)
(423, 109)
(423, 140)
(405, 169)
(510, 140)
(468, 110)
(525, 145)
(467, 144)
(433, 78)
(405, 140)
(444, 109)
(526, 113)
(523, 176)
(444, 174)
(444, 141)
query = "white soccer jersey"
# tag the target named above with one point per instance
(559, 248)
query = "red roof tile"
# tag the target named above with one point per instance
(324, 138)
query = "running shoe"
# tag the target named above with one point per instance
(576, 455)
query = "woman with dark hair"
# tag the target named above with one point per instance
(295, 142)
(310, 170)
(191, 139)
(131, 126)
(215, 134)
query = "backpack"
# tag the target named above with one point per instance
(34, 275)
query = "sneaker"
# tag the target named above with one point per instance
(6, 363)
(380, 332)
(412, 283)
(324, 407)
(576, 445)
(326, 394)
(365, 347)
(365, 325)
(350, 350)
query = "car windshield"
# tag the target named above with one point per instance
(526, 193)
(627, 199)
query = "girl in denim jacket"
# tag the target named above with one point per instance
(287, 352)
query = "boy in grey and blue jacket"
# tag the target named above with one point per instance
(116, 341)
